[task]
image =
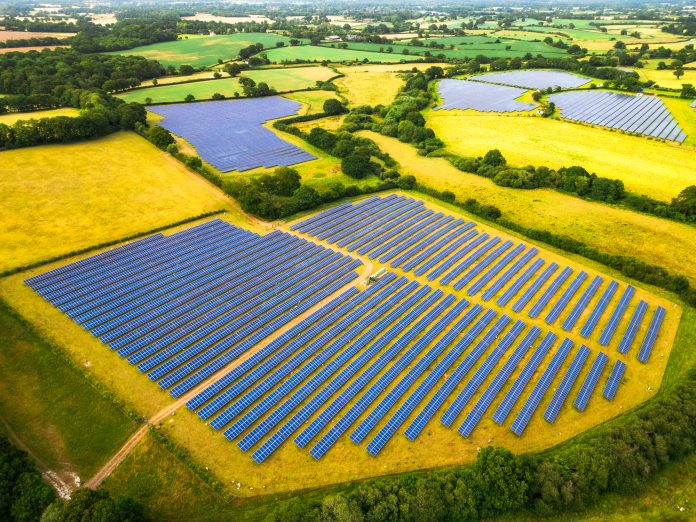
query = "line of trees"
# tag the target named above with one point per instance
(33, 42)
(102, 115)
(617, 458)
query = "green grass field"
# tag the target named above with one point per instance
(317, 53)
(203, 51)
(52, 408)
(10, 118)
(61, 198)
(467, 47)
(287, 79)
(649, 167)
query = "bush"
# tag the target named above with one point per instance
(161, 137)
(332, 107)
(358, 166)
(494, 158)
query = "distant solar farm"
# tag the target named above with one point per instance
(229, 134)
(275, 339)
(484, 97)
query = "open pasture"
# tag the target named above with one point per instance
(6, 36)
(62, 198)
(605, 227)
(203, 51)
(659, 169)
(346, 367)
(285, 79)
(229, 134)
(464, 94)
(666, 78)
(316, 53)
(12, 117)
(534, 79)
(646, 115)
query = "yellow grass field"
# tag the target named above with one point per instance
(666, 77)
(373, 84)
(312, 101)
(612, 229)
(10, 118)
(645, 166)
(61, 198)
(437, 446)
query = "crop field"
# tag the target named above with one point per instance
(666, 78)
(394, 320)
(607, 228)
(6, 36)
(203, 51)
(229, 134)
(317, 53)
(659, 169)
(466, 47)
(286, 79)
(77, 192)
(10, 118)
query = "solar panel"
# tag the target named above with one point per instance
(525, 414)
(616, 316)
(550, 292)
(565, 298)
(649, 339)
(566, 384)
(590, 382)
(599, 309)
(534, 287)
(614, 380)
(632, 329)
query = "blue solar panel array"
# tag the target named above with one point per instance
(463, 94)
(184, 306)
(534, 79)
(229, 134)
(640, 114)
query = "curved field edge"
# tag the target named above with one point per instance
(439, 447)
(606, 227)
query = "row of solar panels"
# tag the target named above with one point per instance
(534, 79)
(388, 349)
(645, 115)
(182, 307)
(229, 134)
(402, 232)
(484, 97)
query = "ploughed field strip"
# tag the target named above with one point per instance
(184, 306)
(641, 114)
(465, 94)
(534, 79)
(229, 134)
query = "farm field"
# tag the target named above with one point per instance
(79, 198)
(39, 48)
(371, 84)
(437, 446)
(657, 169)
(318, 53)
(607, 228)
(280, 79)
(203, 51)
(168, 80)
(10, 118)
(312, 101)
(6, 36)
(666, 78)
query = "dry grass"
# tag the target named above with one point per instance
(10, 118)
(612, 229)
(437, 446)
(61, 198)
(645, 166)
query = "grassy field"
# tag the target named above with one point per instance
(318, 53)
(10, 118)
(666, 78)
(52, 408)
(312, 101)
(203, 51)
(287, 79)
(607, 228)
(61, 198)
(657, 169)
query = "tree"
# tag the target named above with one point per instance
(501, 480)
(287, 181)
(685, 202)
(358, 165)
(185, 70)
(306, 197)
(332, 107)
(189, 98)
(129, 114)
(494, 158)
(160, 137)
(679, 72)
(88, 505)
(218, 96)
(688, 91)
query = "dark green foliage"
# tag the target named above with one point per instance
(332, 107)
(501, 481)
(494, 158)
(64, 73)
(253, 90)
(88, 505)
(161, 137)
(23, 495)
(358, 165)
(406, 182)
(322, 139)
(124, 34)
(685, 202)
(284, 182)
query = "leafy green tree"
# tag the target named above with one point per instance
(685, 202)
(332, 107)
(494, 158)
(160, 137)
(358, 165)
(186, 70)
(502, 481)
